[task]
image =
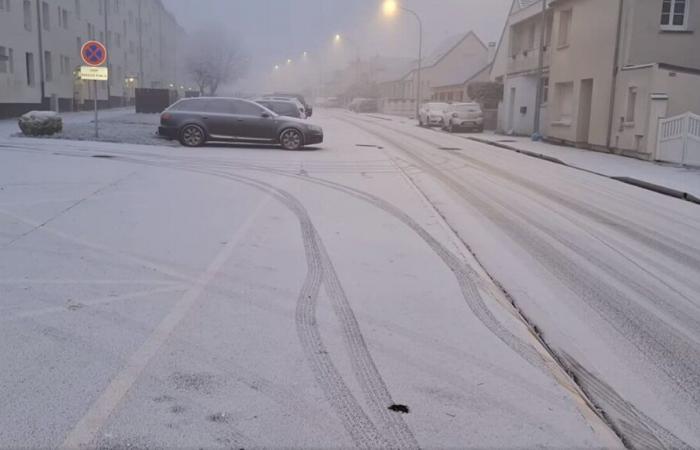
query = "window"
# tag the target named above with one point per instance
(102, 36)
(4, 5)
(545, 90)
(77, 9)
(64, 13)
(48, 72)
(565, 102)
(631, 104)
(564, 28)
(246, 108)
(30, 69)
(78, 45)
(27, 15)
(3, 59)
(45, 16)
(11, 59)
(674, 15)
(531, 29)
(220, 106)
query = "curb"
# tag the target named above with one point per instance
(663, 190)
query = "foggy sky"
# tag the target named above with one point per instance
(275, 30)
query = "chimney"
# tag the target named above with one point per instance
(492, 51)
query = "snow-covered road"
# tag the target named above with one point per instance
(235, 296)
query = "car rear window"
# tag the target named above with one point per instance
(286, 108)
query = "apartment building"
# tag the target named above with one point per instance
(455, 60)
(611, 69)
(40, 43)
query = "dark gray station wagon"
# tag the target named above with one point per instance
(195, 121)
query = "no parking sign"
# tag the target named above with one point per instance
(94, 54)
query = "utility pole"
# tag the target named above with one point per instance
(41, 52)
(536, 135)
(142, 81)
(106, 11)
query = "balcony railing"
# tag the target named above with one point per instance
(527, 60)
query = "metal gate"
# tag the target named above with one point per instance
(679, 140)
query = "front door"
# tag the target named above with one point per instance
(250, 123)
(583, 126)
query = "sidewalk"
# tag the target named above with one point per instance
(682, 182)
(8, 127)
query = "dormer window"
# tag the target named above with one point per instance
(674, 15)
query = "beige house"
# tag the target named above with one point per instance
(453, 61)
(612, 69)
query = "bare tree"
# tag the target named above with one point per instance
(214, 59)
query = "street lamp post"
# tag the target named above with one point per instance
(390, 8)
(338, 39)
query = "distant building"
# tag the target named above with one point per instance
(40, 42)
(450, 65)
(612, 69)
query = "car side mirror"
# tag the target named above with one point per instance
(265, 115)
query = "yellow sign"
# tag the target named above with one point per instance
(94, 73)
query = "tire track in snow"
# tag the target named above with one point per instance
(635, 324)
(319, 271)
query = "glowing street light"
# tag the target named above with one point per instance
(337, 38)
(390, 7)
(289, 61)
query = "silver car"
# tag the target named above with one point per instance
(461, 116)
(432, 114)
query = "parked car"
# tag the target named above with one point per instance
(363, 105)
(300, 106)
(282, 107)
(432, 114)
(460, 116)
(195, 121)
(307, 108)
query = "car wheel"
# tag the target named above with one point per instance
(291, 139)
(192, 136)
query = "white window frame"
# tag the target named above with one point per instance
(670, 26)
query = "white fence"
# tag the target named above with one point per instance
(679, 139)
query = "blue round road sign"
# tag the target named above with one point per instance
(94, 53)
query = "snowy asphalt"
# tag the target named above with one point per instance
(156, 296)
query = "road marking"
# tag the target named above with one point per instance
(87, 428)
(96, 302)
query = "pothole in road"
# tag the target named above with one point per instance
(403, 409)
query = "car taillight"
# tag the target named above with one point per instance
(165, 117)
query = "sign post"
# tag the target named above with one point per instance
(94, 55)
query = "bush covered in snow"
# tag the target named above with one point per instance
(40, 123)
